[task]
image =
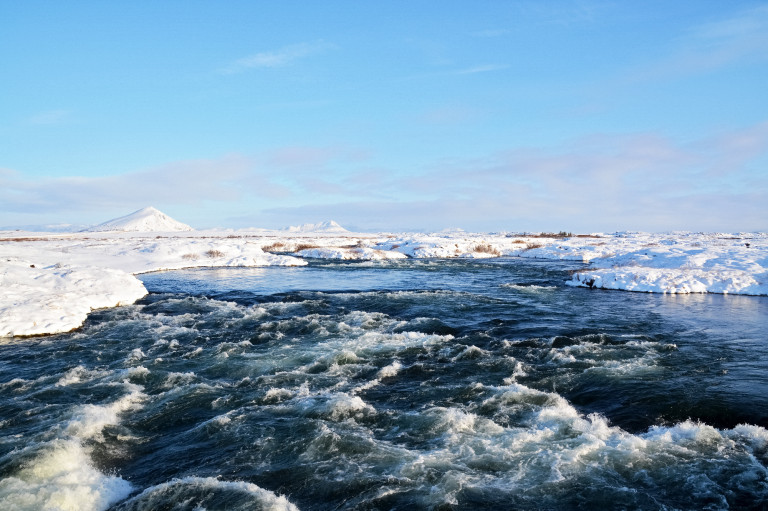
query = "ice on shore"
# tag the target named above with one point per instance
(58, 298)
(49, 282)
(359, 253)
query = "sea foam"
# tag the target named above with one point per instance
(60, 475)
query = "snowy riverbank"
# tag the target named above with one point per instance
(50, 282)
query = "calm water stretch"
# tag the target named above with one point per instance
(450, 384)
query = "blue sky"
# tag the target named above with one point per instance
(398, 115)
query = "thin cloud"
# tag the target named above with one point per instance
(485, 68)
(642, 181)
(603, 182)
(281, 57)
(229, 178)
(267, 178)
(711, 46)
(49, 117)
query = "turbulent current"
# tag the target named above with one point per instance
(418, 384)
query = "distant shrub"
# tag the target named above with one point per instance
(561, 234)
(485, 248)
(274, 247)
(304, 246)
(519, 241)
(529, 246)
(190, 257)
(24, 239)
(214, 253)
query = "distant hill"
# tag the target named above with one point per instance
(329, 226)
(148, 219)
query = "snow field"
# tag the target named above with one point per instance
(50, 282)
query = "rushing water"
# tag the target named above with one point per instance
(447, 384)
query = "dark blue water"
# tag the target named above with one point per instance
(447, 384)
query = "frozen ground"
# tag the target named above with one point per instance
(49, 282)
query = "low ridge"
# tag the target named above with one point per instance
(329, 226)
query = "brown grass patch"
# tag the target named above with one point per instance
(305, 246)
(274, 247)
(485, 248)
(561, 234)
(24, 239)
(190, 257)
(214, 253)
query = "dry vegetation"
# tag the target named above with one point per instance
(529, 246)
(24, 239)
(561, 234)
(305, 246)
(485, 248)
(214, 253)
(190, 257)
(274, 247)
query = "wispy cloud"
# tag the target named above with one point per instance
(184, 182)
(278, 58)
(49, 117)
(484, 68)
(640, 181)
(267, 178)
(708, 47)
(603, 182)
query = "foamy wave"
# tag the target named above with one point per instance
(552, 443)
(528, 287)
(77, 375)
(202, 493)
(275, 395)
(342, 406)
(61, 478)
(385, 372)
(89, 420)
(390, 370)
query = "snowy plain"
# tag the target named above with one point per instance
(49, 282)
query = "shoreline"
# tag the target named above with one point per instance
(51, 281)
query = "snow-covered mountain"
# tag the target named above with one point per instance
(329, 226)
(148, 219)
